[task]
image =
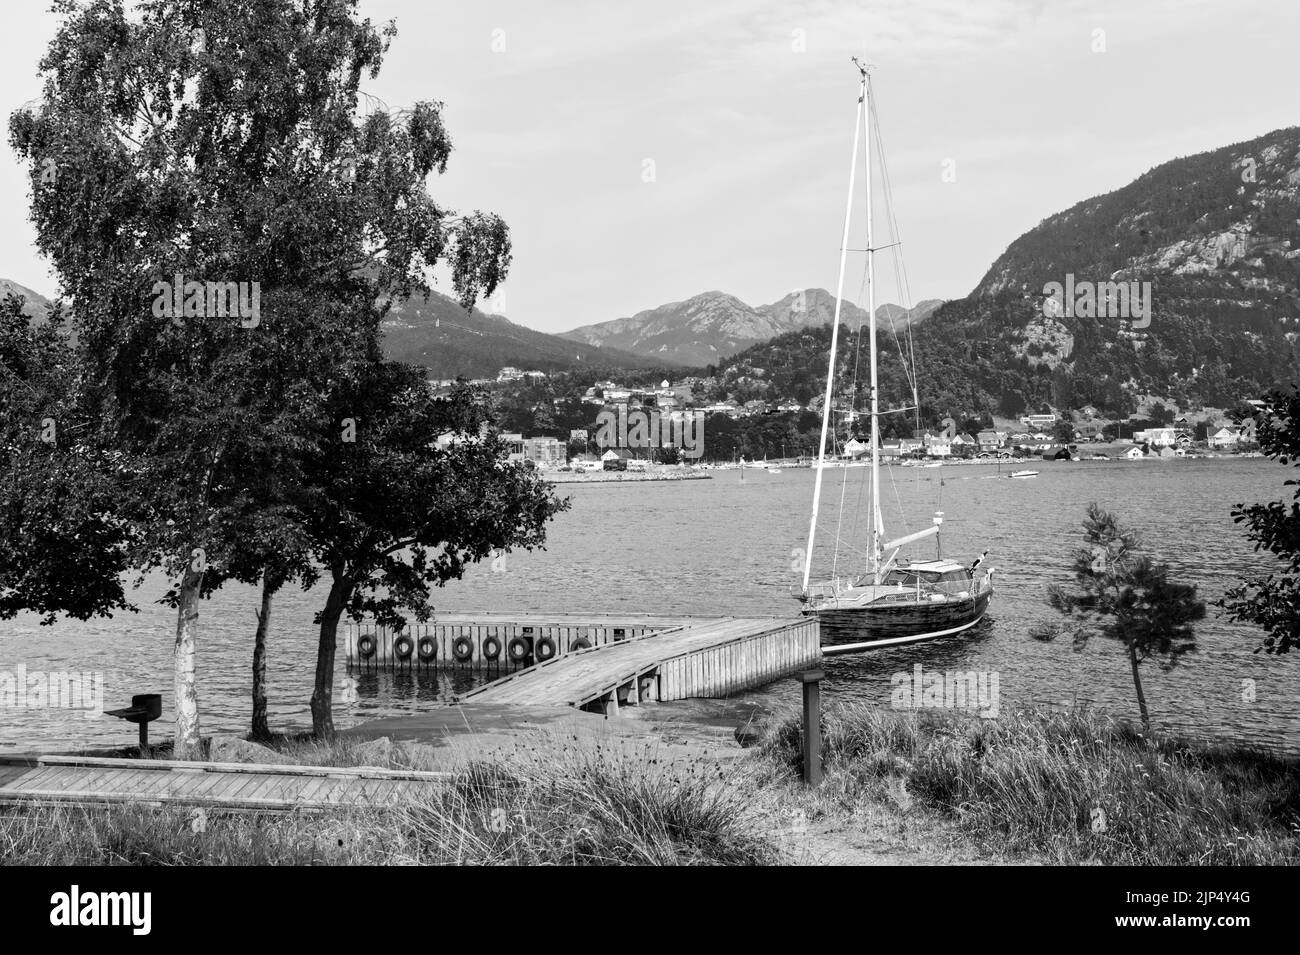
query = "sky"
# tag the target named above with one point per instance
(643, 153)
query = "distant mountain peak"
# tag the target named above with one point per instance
(713, 325)
(37, 305)
(435, 331)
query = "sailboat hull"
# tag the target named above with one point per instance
(853, 629)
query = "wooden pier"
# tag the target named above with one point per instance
(89, 780)
(599, 665)
(704, 657)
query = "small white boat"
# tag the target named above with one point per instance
(1024, 474)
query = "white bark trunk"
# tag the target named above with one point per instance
(188, 743)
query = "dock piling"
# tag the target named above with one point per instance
(812, 726)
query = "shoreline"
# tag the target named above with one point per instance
(901, 787)
(618, 477)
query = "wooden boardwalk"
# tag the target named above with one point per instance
(704, 658)
(94, 780)
(642, 659)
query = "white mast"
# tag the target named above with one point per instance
(835, 328)
(877, 529)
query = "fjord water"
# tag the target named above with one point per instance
(727, 546)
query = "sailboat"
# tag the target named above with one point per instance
(894, 600)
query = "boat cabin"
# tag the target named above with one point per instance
(935, 576)
(928, 573)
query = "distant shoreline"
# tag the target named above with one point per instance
(620, 477)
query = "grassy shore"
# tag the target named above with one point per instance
(558, 807)
(927, 787)
(1070, 788)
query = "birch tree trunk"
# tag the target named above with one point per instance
(188, 742)
(260, 729)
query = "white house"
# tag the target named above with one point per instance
(1225, 438)
(1134, 453)
(855, 448)
(1156, 437)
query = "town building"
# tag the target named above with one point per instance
(936, 445)
(854, 448)
(1038, 421)
(1156, 437)
(1225, 438)
(544, 452)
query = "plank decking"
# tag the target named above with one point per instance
(93, 780)
(631, 660)
(706, 658)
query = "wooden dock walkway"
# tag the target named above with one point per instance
(90, 780)
(622, 662)
(703, 658)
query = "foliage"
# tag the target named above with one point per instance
(222, 141)
(1121, 594)
(1273, 602)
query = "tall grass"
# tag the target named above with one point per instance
(558, 806)
(1073, 787)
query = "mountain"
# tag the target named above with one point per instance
(436, 332)
(712, 326)
(36, 305)
(900, 318)
(1216, 236)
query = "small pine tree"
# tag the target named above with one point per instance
(1120, 594)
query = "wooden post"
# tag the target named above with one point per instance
(812, 726)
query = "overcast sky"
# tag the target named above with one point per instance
(745, 109)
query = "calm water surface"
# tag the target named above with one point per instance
(724, 546)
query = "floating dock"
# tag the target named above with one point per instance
(487, 641)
